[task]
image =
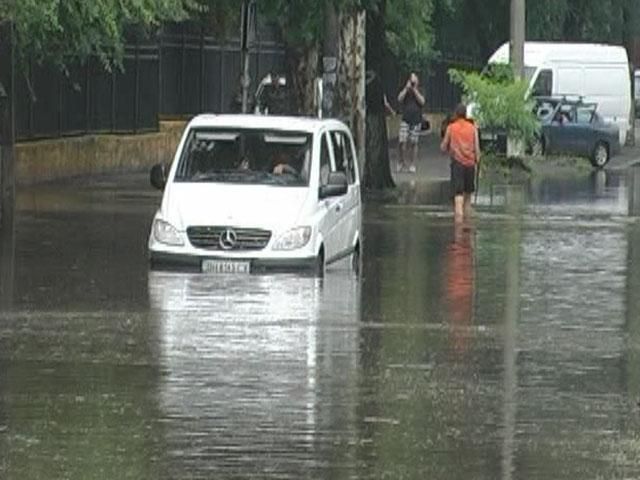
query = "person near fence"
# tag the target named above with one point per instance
(412, 101)
(463, 145)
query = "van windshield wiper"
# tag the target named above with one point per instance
(243, 176)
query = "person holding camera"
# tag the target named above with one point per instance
(411, 101)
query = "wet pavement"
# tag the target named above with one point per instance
(508, 347)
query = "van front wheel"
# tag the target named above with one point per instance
(318, 269)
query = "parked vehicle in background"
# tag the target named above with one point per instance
(598, 73)
(252, 192)
(574, 127)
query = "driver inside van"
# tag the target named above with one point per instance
(282, 164)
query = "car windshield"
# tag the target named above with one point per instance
(247, 156)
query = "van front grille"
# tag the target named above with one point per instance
(228, 238)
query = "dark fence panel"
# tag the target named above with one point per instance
(101, 99)
(74, 102)
(201, 74)
(89, 99)
(182, 72)
(45, 112)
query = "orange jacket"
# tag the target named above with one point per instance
(461, 141)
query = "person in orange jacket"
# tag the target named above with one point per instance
(462, 143)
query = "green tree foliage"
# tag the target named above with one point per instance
(300, 21)
(60, 31)
(409, 34)
(500, 102)
(476, 29)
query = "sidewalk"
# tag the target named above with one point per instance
(432, 165)
(629, 157)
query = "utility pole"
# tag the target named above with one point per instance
(7, 158)
(246, 20)
(516, 57)
(330, 59)
(7, 121)
(518, 27)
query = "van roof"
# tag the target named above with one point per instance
(539, 53)
(267, 122)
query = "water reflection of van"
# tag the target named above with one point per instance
(598, 73)
(256, 369)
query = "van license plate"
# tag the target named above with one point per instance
(226, 267)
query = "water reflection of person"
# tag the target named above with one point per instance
(460, 284)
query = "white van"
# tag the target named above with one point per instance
(247, 193)
(598, 73)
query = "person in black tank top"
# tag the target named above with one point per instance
(412, 102)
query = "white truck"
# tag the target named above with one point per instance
(597, 73)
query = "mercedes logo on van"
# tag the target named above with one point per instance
(228, 239)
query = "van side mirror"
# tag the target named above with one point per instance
(337, 185)
(158, 176)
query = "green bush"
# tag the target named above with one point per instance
(500, 102)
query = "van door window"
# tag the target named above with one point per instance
(343, 155)
(543, 87)
(325, 161)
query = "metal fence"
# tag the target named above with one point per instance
(201, 74)
(181, 72)
(89, 99)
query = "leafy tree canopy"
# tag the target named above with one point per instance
(409, 34)
(63, 30)
(476, 29)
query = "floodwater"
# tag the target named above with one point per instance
(505, 348)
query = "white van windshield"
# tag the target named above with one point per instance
(268, 157)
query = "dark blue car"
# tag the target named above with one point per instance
(573, 127)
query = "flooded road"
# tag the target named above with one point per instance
(505, 348)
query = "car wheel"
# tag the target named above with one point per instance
(600, 156)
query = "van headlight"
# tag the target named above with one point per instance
(293, 239)
(166, 233)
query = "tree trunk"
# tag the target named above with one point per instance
(330, 49)
(302, 66)
(7, 119)
(377, 171)
(7, 159)
(350, 106)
